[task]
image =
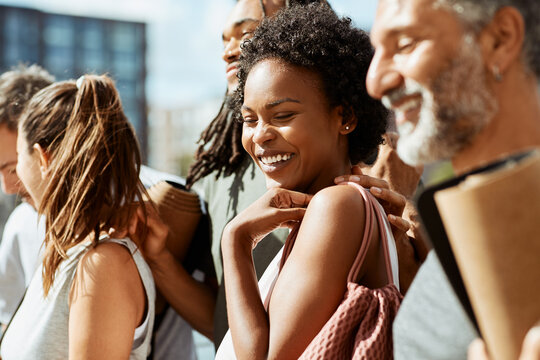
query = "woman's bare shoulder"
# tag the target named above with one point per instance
(107, 265)
(342, 200)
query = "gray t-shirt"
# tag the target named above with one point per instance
(225, 197)
(431, 323)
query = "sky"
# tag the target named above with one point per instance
(183, 40)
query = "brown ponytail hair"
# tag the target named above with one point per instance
(94, 162)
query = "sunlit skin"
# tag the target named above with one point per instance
(416, 40)
(286, 114)
(413, 40)
(31, 169)
(95, 294)
(241, 23)
(281, 119)
(8, 161)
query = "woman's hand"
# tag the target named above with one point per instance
(276, 208)
(145, 228)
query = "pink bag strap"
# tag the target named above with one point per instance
(375, 216)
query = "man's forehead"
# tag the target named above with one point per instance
(393, 15)
(397, 5)
(245, 10)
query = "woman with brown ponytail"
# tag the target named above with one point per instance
(93, 296)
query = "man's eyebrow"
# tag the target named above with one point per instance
(245, 20)
(6, 164)
(241, 22)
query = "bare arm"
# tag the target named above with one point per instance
(191, 299)
(327, 242)
(107, 303)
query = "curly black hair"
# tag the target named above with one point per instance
(315, 38)
(220, 148)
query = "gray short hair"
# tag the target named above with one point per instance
(478, 13)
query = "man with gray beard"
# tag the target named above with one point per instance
(462, 78)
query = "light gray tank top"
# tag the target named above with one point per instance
(40, 329)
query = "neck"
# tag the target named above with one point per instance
(327, 179)
(515, 127)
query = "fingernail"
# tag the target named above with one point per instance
(339, 179)
(391, 217)
(354, 178)
(376, 190)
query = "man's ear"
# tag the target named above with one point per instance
(43, 160)
(502, 40)
(346, 124)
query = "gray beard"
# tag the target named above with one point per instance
(454, 110)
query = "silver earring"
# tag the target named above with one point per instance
(347, 127)
(497, 73)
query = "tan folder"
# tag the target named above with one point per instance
(492, 220)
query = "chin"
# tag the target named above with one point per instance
(271, 183)
(275, 183)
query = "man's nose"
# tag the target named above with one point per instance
(382, 77)
(232, 51)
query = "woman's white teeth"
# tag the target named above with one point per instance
(268, 160)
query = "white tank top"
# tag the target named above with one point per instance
(40, 327)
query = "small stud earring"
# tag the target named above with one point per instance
(497, 73)
(347, 127)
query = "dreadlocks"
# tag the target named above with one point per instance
(220, 145)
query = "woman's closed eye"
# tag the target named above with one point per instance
(249, 120)
(284, 116)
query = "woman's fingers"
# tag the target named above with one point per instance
(293, 214)
(299, 199)
(283, 199)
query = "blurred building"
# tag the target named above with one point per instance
(69, 46)
(174, 132)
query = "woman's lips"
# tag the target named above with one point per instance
(271, 163)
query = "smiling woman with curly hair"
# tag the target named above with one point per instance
(306, 116)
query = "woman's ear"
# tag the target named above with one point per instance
(346, 124)
(43, 160)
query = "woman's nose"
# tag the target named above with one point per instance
(262, 133)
